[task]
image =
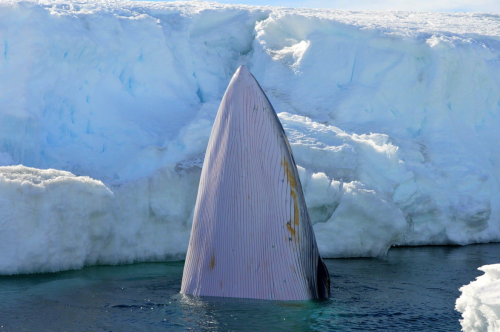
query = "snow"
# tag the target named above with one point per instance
(392, 118)
(480, 301)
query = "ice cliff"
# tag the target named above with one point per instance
(393, 118)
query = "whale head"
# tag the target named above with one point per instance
(251, 235)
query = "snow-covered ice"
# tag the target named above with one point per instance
(393, 119)
(480, 301)
(52, 220)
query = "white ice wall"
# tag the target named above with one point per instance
(392, 117)
(52, 220)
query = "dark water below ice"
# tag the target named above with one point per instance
(412, 289)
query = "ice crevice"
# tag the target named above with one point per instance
(108, 106)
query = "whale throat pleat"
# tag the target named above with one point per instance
(251, 235)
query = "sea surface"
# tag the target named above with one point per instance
(410, 289)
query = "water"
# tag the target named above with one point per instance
(411, 289)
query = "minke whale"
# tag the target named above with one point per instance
(251, 235)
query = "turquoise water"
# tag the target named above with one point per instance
(411, 289)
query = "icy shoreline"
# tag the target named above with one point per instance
(393, 119)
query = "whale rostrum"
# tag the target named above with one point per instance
(251, 235)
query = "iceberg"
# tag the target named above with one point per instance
(480, 301)
(52, 220)
(392, 118)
